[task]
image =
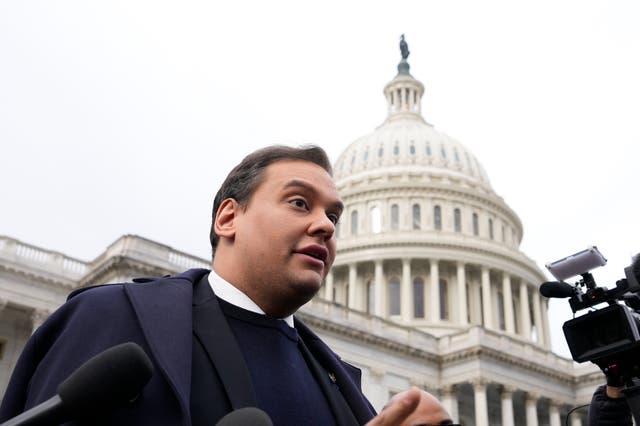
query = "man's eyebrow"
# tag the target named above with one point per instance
(293, 183)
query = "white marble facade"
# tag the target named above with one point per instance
(429, 287)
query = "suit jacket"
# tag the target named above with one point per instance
(158, 314)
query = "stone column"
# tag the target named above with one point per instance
(450, 401)
(37, 318)
(480, 402)
(531, 410)
(487, 311)
(537, 318)
(353, 293)
(545, 323)
(506, 401)
(328, 287)
(406, 298)
(434, 292)
(554, 415)
(507, 302)
(525, 318)
(461, 304)
(379, 293)
(576, 420)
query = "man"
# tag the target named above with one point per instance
(224, 339)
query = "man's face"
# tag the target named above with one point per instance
(285, 236)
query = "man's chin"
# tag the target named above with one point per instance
(308, 285)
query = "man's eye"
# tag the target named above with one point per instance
(333, 218)
(298, 202)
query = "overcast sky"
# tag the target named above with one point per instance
(123, 117)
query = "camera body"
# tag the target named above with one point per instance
(605, 336)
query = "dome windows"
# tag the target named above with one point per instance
(354, 222)
(394, 296)
(443, 152)
(375, 220)
(444, 296)
(457, 220)
(415, 214)
(395, 217)
(476, 228)
(418, 297)
(437, 218)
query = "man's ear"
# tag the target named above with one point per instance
(225, 221)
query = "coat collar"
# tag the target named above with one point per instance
(163, 309)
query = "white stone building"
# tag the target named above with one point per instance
(429, 287)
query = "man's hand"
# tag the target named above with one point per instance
(412, 407)
(399, 408)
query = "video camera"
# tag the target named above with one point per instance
(609, 336)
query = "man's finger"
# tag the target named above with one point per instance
(398, 410)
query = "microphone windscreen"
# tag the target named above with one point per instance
(246, 416)
(109, 379)
(632, 273)
(556, 289)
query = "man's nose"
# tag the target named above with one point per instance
(321, 224)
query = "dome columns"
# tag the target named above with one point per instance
(405, 292)
(506, 405)
(439, 295)
(507, 303)
(461, 286)
(434, 292)
(487, 312)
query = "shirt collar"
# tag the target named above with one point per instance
(231, 294)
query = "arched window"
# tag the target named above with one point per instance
(428, 149)
(457, 220)
(476, 229)
(415, 211)
(396, 149)
(418, 297)
(412, 149)
(444, 297)
(354, 222)
(437, 218)
(395, 217)
(394, 296)
(375, 220)
(491, 228)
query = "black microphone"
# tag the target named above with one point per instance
(557, 289)
(246, 416)
(108, 380)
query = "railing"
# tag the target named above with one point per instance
(151, 252)
(30, 256)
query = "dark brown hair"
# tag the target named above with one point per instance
(243, 180)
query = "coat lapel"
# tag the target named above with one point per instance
(211, 328)
(346, 377)
(163, 308)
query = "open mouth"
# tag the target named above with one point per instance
(317, 252)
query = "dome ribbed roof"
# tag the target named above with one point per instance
(406, 141)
